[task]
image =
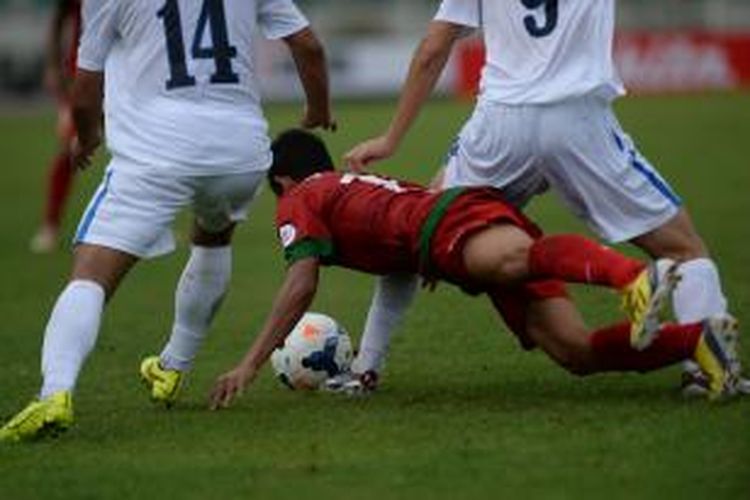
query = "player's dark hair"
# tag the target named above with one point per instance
(297, 154)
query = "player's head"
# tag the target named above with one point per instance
(297, 154)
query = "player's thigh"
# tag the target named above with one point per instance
(133, 212)
(497, 254)
(494, 148)
(221, 202)
(599, 173)
(498, 235)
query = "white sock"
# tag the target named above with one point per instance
(393, 295)
(199, 294)
(698, 295)
(70, 335)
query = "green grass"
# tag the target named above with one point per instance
(462, 411)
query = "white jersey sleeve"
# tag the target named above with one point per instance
(99, 33)
(463, 12)
(280, 18)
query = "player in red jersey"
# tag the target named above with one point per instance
(60, 67)
(472, 238)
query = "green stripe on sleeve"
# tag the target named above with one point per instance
(308, 247)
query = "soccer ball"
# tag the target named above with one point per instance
(317, 348)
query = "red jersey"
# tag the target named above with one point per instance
(382, 226)
(363, 222)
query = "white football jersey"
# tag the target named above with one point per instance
(541, 51)
(181, 90)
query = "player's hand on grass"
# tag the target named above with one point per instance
(318, 118)
(229, 386)
(82, 151)
(370, 151)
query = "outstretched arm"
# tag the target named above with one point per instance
(426, 66)
(293, 299)
(310, 59)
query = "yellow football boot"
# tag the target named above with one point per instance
(644, 298)
(717, 356)
(163, 384)
(41, 418)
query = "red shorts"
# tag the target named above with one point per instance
(474, 210)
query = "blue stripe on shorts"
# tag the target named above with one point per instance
(647, 171)
(88, 217)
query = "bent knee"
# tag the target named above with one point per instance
(203, 238)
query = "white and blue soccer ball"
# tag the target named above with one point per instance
(317, 348)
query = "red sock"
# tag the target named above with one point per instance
(59, 182)
(613, 351)
(575, 259)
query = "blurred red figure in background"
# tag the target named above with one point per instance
(62, 45)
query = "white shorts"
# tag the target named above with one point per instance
(576, 148)
(134, 212)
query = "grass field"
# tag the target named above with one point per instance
(462, 412)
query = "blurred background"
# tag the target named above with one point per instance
(663, 46)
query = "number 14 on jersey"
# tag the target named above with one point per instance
(221, 51)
